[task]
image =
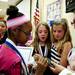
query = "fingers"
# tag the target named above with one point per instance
(54, 64)
(53, 69)
(57, 68)
(45, 62)
(42, 62)
(37, 57)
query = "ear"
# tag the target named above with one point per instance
(13, 32)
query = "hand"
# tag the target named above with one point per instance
(41, 64)
(37, 57)
(57, 68)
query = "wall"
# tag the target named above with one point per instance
(24, 7)
(44, 8)
(69, 16)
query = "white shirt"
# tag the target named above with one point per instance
(66, 72)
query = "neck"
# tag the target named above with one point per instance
(11, 38)
(42, 43)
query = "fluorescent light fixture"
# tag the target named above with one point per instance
(4, 0)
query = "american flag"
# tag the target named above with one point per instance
(37, 14)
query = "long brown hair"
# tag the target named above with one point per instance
(36, 39)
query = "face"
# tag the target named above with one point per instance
(42, 33)
(23, 34)
(2, 27)
(58, 32)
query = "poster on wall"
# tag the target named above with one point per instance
(53, 11)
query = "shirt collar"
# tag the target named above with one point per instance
(10, 41)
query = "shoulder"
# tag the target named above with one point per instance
(67, 44)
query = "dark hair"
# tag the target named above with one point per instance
(13, 12)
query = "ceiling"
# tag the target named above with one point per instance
(4, 4)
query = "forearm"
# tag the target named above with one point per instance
(39, 73)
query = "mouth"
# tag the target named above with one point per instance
(43, 37)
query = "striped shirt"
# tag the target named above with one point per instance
(55, 55)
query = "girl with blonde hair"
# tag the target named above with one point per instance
(62, 43)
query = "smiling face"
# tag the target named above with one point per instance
(42, 33)
(58, 32)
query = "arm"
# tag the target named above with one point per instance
(57, 68)
(61, 70)
(66, 48)
(41, 64)
(63, 61)
(15, 69)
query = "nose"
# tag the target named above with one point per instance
(43, 33)
(56, 33)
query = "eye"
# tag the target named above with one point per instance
(59, 31)
(45, 31)
(39, 31)
(2, 26)
(54, 30)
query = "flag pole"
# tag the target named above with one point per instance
(30, 9)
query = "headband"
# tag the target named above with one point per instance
(17, 21)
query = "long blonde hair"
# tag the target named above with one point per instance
(66, 37)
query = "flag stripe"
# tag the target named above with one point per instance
(37, 14)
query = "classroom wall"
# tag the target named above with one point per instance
(24, 7)
(69, 16)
